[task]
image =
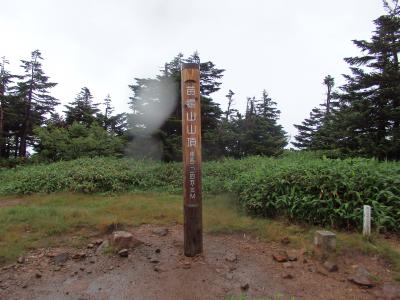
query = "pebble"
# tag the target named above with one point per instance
(287, 276)
(123, 252)
(21, 260)
(244, 287)
(160, 231)
(280, 256)
(330, 266)
(154, 260)
(288, 265)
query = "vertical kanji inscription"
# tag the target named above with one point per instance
(191, 144)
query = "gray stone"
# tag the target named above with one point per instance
(324, 243)
(61, 258)
(123, 252)
(361, 277)
(287, 276)
(245, 287)
(160, 231)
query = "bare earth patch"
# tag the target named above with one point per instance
(11, 202)
(232, 266)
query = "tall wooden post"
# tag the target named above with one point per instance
(191, 146)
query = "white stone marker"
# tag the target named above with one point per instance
(367, 221)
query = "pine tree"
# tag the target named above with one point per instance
(260, 132)
(369, 117)
(33, 90)
(112, 123)
(313, 132)
(160, 97)
(5, 79)
(82, 110)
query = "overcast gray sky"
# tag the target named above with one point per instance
(285, 47)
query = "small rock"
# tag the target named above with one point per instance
(25, 285)
(82, 268)
(111, 268)
(89, 272)
(285, 240)
(38, 275)
(288, 265)
(154, 260)
(98, 242)
(61, 258)
(361, 277)
(330, 266)
(102, 246)
(80, 255)
(244, 287)
(156, 269)
(123, 252)
(231, 257)
(57, 268)
(92, 261)
(229, 276)
(322, 271)
(160, 231)
(186, 265)
(21, 260)
(123, 240)
(305, 260)
(280, 256)
(158, 250)
(287, 276)
(90, 246)
(292, 258)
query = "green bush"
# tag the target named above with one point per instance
(301, 186)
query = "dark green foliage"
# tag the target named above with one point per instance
(82, 109)
(323, 192)
(77, 140)
(302, 186)
(367, 119)
(156, 109)
(259, 133)
(33, 92)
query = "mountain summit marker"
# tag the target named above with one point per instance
(191, 149)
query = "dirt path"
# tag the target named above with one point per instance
(232, 265)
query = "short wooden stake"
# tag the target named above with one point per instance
(191, 149)
(367, 221)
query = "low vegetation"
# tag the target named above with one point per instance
(304, 187)
(60, 219)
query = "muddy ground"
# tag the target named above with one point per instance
(232, 266)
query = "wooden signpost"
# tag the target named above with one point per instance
(191, 148)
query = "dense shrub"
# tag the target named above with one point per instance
(301, 186)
